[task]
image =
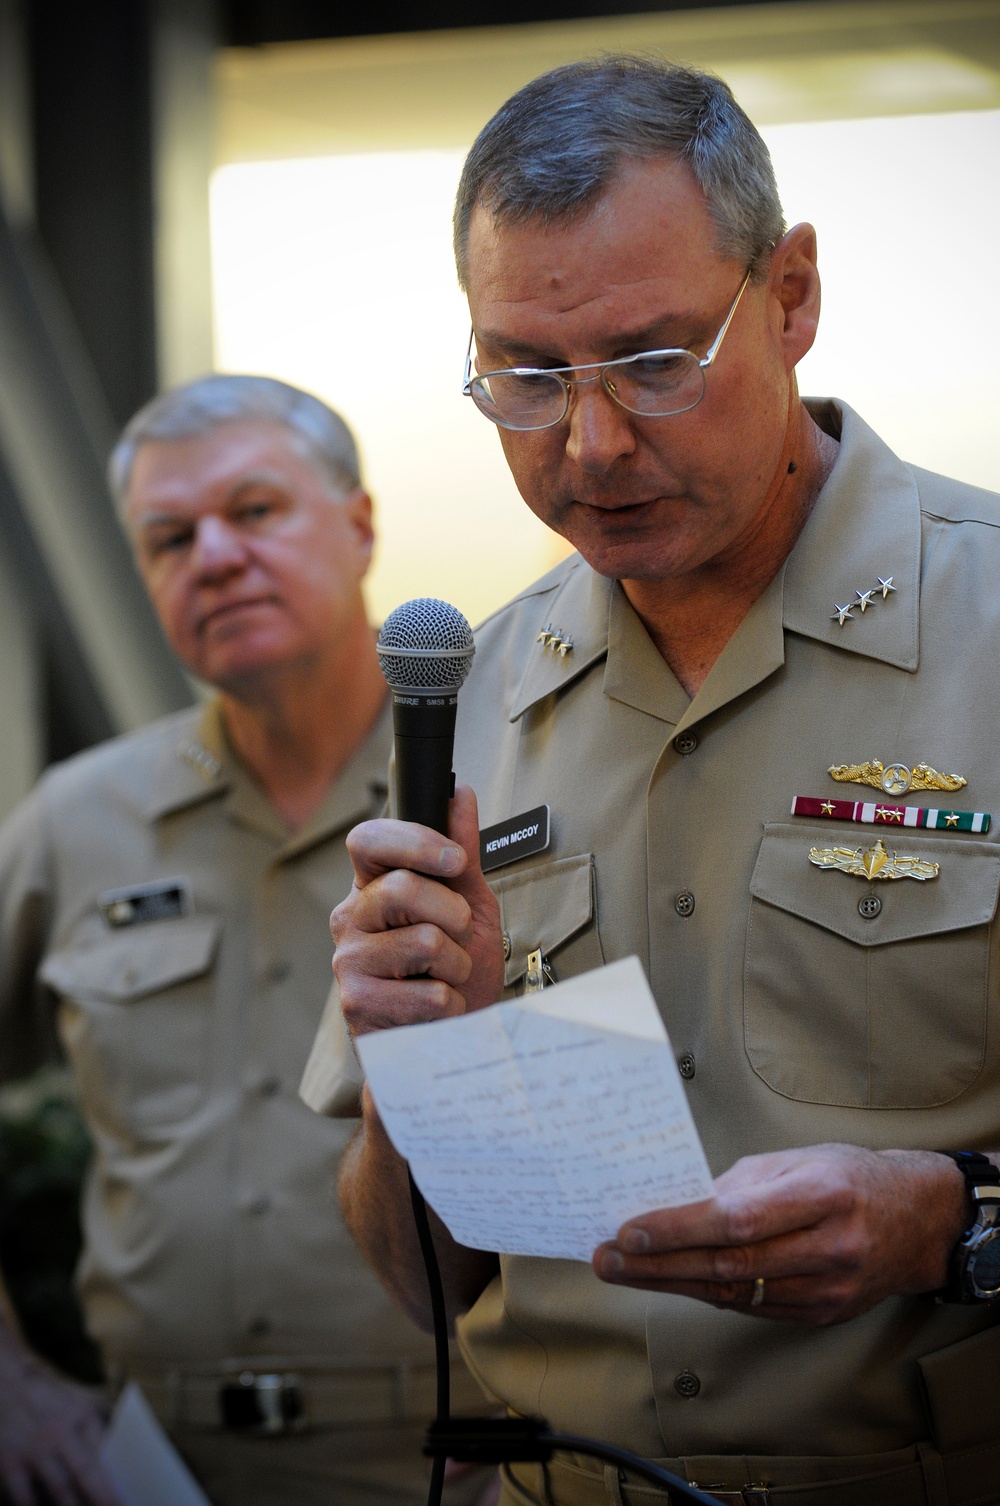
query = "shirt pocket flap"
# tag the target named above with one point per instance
(542, 907)
(137, 962)
(963, 894)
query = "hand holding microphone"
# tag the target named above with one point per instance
(419, 936)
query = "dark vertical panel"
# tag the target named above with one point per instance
(252, 22)
(93, 181)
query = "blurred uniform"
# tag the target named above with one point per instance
(156, 912)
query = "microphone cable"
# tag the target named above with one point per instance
(506, 1440)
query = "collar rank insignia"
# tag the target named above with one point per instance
(201, 759)
(863, 600)
(863, 811)
(896, 778)
(554, 638)
(873, 862)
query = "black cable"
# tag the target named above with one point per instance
(655, 1474)
(493, 1440)
(439, 1313)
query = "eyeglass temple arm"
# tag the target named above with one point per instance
(710, 357)
(467, 373)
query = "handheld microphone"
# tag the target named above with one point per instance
(425, 651)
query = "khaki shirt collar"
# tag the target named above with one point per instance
(865, 524)
(578, 609)
(202, 766)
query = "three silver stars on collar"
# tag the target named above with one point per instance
(864, 600)
(554, 638)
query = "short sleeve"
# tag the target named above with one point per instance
(333, 1079)
(27, 1035)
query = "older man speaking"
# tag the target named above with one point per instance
(771, 625)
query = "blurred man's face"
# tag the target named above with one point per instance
(641, 498)
(252, 558)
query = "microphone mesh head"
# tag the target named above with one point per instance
(425, 644)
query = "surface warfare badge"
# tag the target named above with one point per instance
(517, 837)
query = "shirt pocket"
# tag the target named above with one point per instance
(135, 1016)
(868, 1011)
(552, 908)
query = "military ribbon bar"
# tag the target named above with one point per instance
(882, 813)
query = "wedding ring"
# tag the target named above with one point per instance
(758, 1292)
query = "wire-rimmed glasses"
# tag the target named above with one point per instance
(652, 383)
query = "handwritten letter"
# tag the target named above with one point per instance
(538, 1127)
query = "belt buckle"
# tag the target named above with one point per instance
(751, 1495)
(267, 1404)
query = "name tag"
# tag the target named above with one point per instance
(163, 899)
(518, 837)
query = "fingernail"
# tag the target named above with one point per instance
(450, 859)
(635, 1241)
(612, 1263)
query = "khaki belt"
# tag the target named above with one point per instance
(907, 1477)
(292, 1395)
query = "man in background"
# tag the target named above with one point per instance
(163, 904)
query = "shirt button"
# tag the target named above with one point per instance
(685, 743)
(869, 907)
(507, 948)
(277, 971)
(259, 1327)
(268, 1086)
(686, 1065)
(687, 1384)
(259, 1203)
(684, 903)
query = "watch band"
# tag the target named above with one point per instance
(977, 1169)
(982, 1183)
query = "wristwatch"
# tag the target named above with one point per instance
(974, 1268)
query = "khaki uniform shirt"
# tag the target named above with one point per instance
(211, 1224)
(802, 1019)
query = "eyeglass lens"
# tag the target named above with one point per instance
(653, 385)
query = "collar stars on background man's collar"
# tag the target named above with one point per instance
(198, 756)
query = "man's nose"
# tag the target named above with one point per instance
(218, 549)
(600, 431)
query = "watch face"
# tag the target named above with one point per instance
(984, 1264)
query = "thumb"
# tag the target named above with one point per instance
(485, 984)
(463, 828)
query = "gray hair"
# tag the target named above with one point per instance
(203, 405)
(551, 151)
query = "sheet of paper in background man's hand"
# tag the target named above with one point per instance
(143, 1464)
(539, 1126)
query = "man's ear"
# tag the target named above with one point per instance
(360, 507)
(793, 281)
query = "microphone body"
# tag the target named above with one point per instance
(424, 728)
(425, 650)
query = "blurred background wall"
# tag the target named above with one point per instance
(265, 185)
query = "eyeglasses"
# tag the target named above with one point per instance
(653, 383)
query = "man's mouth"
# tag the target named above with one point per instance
(625, 510)
(228, 609)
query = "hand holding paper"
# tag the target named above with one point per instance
(537, 1127)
